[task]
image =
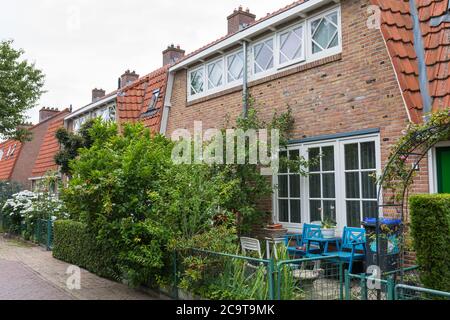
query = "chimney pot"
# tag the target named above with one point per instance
(172, 54)
(240, 19)
(127, 78)
(46, 113)
(97, 94)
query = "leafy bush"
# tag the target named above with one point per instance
(73, 243)
(18, 208)
(430, 228)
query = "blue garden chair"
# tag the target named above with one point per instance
(309, 231)
(353, 247)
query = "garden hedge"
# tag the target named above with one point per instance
(74, 244)
(430, 229)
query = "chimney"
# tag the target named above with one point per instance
(127, 78)
(46, 113)
(172, 54)
(239, 20)
(97, 94)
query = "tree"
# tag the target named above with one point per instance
(71, 143)
(20, 88)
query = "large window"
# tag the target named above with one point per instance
(340, 186)
(289, 201)
(304, 41)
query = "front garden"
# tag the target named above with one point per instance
(129, 213)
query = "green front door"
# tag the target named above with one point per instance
(443, 169)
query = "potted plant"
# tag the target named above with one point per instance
(328, 229)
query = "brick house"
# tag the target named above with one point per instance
(352, 90)
(20, 161)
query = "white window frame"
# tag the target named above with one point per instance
(220, 61)
(190, 72)
(274, 54)
(278, 45)
(307, 56)
(237, 81)
(325, 52)
(339, 156)
(432, 166)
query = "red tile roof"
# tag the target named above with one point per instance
(397, 30)
(133, 100)
(7, 163)
(45, 160)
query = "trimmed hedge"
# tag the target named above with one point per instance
(73, 244)
(430, 229)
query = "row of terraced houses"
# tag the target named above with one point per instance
(353, 86)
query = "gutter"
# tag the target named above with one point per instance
(167, 104)
(420, 52)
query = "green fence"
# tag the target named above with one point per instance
(41, 231)
(406, 292)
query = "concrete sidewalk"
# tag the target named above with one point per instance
(29, 272)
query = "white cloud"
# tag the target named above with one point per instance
(82, 44)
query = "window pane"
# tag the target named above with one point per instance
(197, 81)
(368, 155)
(323, 33)
(296, 213)
(353, 214)
(315, 210)
(351, 157)
(291, 45)
(283, 164)
(329, 185)
(370, 209)
(314, 186)
(294, 181)
(314, 154)
(235, 65)
(215, 74)
(263, 56)
(352, 185)
(283, 212)
(283, 186)
(329, 210)
(328, 159)
(369, 186)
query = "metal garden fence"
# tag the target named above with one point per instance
(406, 292)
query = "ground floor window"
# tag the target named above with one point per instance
(341, 185)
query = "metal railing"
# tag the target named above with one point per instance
(406, 292)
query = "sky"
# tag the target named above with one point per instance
(86, 44)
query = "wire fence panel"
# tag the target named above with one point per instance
(318, 278)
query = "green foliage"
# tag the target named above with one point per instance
(73, 243)
(417, 138)
(430, 228)
(70, 144)
(7, 189)
(20, 88)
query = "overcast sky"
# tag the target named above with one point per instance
(83, 44)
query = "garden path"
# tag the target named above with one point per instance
(29, 272)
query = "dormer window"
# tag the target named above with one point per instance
(215, 74)
(1, 154)
(235, 66)
(291, 44)
(197, 81)
(324, 32)
(263, 56)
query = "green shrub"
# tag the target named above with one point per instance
(74, 244)
(430, 229)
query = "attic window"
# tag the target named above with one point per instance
(152, 105)
(1, 154)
